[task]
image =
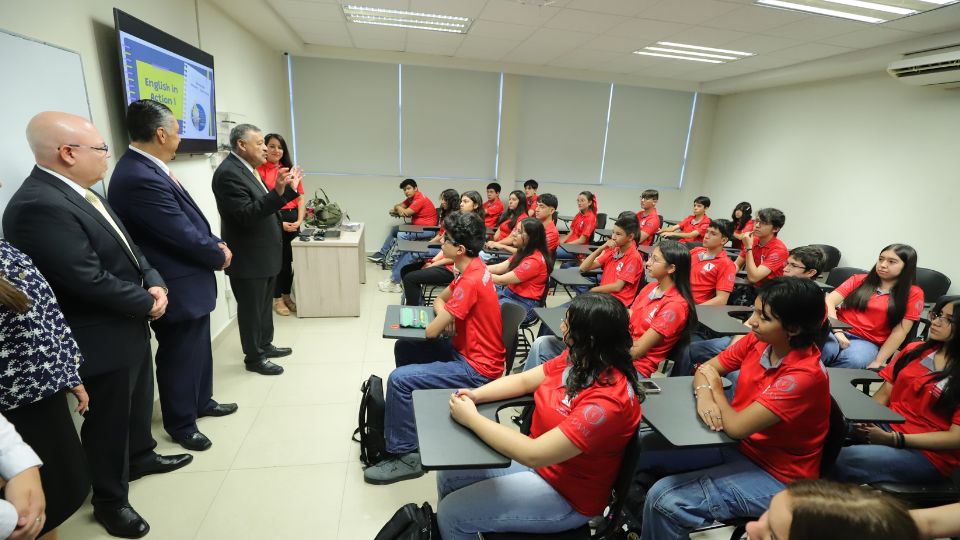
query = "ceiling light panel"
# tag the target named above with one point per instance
(398, 18)
(696, 53)
(868, 11)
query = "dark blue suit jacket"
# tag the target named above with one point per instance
(171, 231)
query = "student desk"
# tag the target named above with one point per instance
(391, 324)
(570, 277)
(720, 320)
(854, 404)
(579, 249)
(415, 246)
(445, 444)
(604, 233)
(673, 414)
(551, 317)
(564, 218)
(406, 227)
(327, 275)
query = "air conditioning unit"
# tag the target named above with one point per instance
(941, 69)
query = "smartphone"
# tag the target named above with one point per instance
(649, 386)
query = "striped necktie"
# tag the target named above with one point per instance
(92, 198)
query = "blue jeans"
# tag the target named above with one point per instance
(677, 505)
(515, 499)
(867, 463)
(858, 355)
(698, 352)
(542, 349)
(438, 365)
(506, 295)
(390, 240)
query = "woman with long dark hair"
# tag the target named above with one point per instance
(742, 219)
(582, 226)
(562, 473)
(522, 279)
(881, 306)
(922, 384)
(291, 217)
(663, 313)
(516, 210)
(471, 201)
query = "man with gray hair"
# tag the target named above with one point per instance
(250, 225)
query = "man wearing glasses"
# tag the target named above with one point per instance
(108, 292)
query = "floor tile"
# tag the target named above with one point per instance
(298, 435)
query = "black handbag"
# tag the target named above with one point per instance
(411, 522)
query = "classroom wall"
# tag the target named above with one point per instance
(250, 77)
(857, 163)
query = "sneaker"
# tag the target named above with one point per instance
(389, 286)
(389, 471)
(376, 257)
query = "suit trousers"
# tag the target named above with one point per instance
(184, 372)
(254, 314)
(116, 430)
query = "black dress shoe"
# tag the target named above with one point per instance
(264, 367)
(159, 464)
(194, 441)
(221, 409)
(124, 522)
(276, 352)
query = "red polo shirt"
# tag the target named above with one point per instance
(913, 396)
(773, 255)
(268, 172)
(688, 226)
(709, 275)
(628, 267)
(424, 213)
(532, 272)
(871, 323)
(747, 227)
(531, 204)
(476, 310)
(667, 315)
(583, 224)
(797, 391)
(650, 224)
(493, 209)
(599, 421)
(553, 235)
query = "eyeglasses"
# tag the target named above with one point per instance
(103, 148)
(941, 316)
(447, 239)
(654, 260)
(796, 266)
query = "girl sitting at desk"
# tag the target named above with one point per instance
(516, 211)
(587, 409)
(522, 279)
(779, 413)
(922, 385)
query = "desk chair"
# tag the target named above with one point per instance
(691, 245)
(601, 224)
(933, 283)
(945, 491)
(840, 274)
(832, 258)
(526, 336)
(512, 315)
(621, 486)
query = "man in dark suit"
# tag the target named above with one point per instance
(173, 234)
(107, 291)
(250, 223)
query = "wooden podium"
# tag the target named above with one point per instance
(327, 275)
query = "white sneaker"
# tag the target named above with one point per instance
(389, 286)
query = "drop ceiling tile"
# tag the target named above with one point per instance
(441, 39)
(870, 37)
(511, 11)
(436, 49)
(583, 21)
(761, 44)
(315, 28)
(293, 10)
(938, 20)
(387, 4)
(485, 48)
(559, 40)
(615, 44)
(707, 37)
(369, 31)
(670, 69)
(460, 8)
(688, 11)
(379, 44)
(323, 38)
(643, 30)
(528, 53)
(628, 8)
(816, 28)
(501, 30)
(754, 19)
(809, 51)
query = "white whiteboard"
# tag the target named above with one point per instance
(39, 77)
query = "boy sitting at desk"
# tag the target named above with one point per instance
(622, 264)
(464, 348)
(530, 190)
(647, 217)
(712, 273)
(418, 208)
(544, 210)
(763, 255)
(493, 206)
(693, 227)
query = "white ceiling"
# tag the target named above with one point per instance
(600, 35)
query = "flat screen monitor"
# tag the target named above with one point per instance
(158, 66)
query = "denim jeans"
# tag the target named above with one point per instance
(390, 240)
(698, 352)
(542, 349)
(421, 365)
(678, 504)
(858, 355)
(863, 463)
(407, 257)
(506, 295)
(515, 499)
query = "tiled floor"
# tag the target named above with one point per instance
(283, 467)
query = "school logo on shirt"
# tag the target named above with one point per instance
(619, 266)
(594, 414)
(784, 385)
(631, 268)
(525, 265)
(708, 267)
(669, 316)
(457, 295)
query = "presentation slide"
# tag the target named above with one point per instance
(185, 86)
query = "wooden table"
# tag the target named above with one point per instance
(327, 275)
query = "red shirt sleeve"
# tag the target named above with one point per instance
(701, 228)
(850, 284)
(556, 364)
(727, 276)
(594, 422)
(417, 205)
(462, 299)
(670, 319)
(631, 270)
(914, 304)
(589, 225)
(530, 268)
(651, 226)
(788, 396)
(776, 259)
(604, 257)
(733, 356)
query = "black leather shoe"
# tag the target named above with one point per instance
(159, 464)
(264, 367)
(194, 441)
(124, 522)
(276, 352)
(221, 409)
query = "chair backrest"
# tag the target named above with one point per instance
(691, 245)
(840, 274)
(933, 283)
(601, 220)
(512, 315)
(832, 258)
(833, 442)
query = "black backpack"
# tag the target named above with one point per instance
(411, 522)
(369, 432)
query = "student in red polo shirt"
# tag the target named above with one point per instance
(712, 273)
(647, 217)
(923, 386)
(621, 262)
(664, 311)
(587, 410)
(418, 208)
(493, 206)
(544, 211)
(582, 226)
(742, 219)
(522, 279)
(780, 413)
(530, 190)
(438, 270)
(881, 306)
(692, 228)
(763, 255)
(516, 211)
(474, 356)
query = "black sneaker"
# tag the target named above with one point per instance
(376, 257)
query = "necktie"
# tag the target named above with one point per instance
(260, 181)
(98, 204)
(176, 181)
